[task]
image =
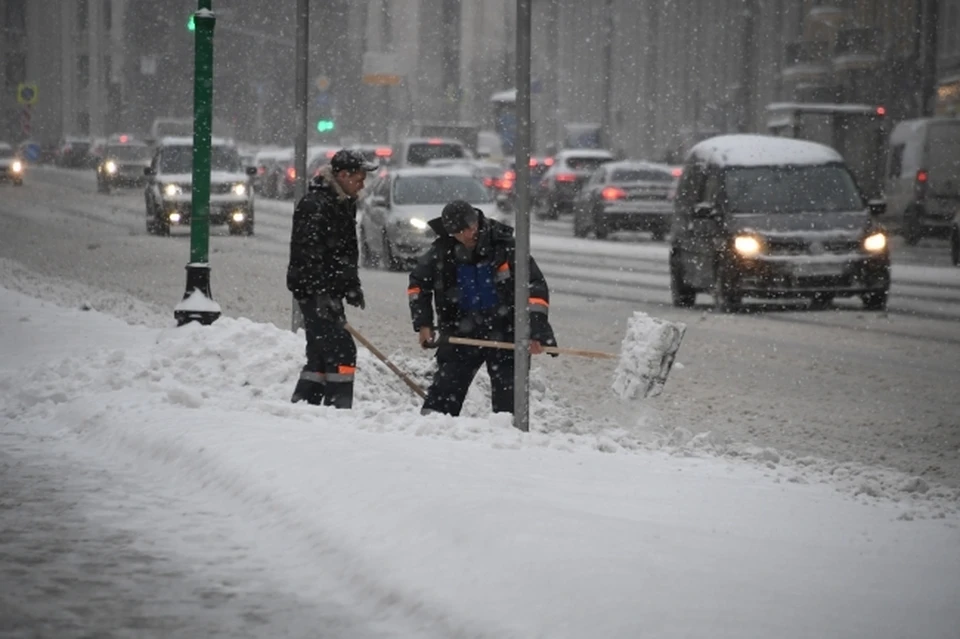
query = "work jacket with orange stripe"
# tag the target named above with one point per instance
(434, 282)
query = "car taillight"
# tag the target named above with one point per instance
(676, 172)
(566, 177)
(548, 161)
(383, 152)
(261, 170)
(613, 193)
(330, 154)
(488, 182)
(533, 161)
(920, 185)
(291, 173)
(509, 175)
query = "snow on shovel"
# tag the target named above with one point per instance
(646, 356)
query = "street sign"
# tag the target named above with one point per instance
(27, 93)
(381, 69)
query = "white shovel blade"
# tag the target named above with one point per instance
(646, 356)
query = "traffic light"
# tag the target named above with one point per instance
(325, 125)
(191, 25)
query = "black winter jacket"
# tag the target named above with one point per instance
(434, 282)
(323, 242)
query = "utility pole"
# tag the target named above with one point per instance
(607, 118)
(521, 379)
(748, 66)
(300, 145)
(926, 54)
(197, 303)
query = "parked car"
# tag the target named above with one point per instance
(393, 217)
(168, 193)
(267, 162)
(11, 166)
(122, 164)
(74, 152)
(759, 216)
(923, 177)
(562, 182)
(625, 195)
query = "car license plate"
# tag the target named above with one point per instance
(818, 269)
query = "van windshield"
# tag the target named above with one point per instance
(420, 154)
(179, 159)
(791, 189)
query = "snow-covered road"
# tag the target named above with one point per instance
(845, 386)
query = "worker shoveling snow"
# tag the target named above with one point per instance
(646, 356)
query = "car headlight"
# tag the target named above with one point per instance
(875, 243)
(239, 189)
(172, 189)
(110, 166)
(418, 223)
(17, 166)
(747, 245)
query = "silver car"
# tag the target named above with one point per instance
(394, 216)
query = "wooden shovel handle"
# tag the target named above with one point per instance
(486, 343)
(383, 358)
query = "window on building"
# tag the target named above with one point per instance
(107, 67)
(82, 15)
(16, 17)
(386, 28)
(107, 14)
(83, 71)
(16, 69)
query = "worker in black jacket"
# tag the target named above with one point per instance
(468, 275)
(323, 274)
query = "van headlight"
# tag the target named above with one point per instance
(239, 189)
(875, 243)
(418, 223)
(747, 245)
(17, 166)
(111, 167)
(172, 189)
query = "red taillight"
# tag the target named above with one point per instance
(566, 177)
(676, 172)
(921, 176)
(548, 161)
(291, 173)
(881, 111)
(435, 141)
(383, 152)
(533, 161)
(330, 154)
(123, 139)
(613, 193)
(509, 175)
(488, 182)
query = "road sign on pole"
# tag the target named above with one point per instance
(27, 93)
(521, 379)
(25, 118)
(197, 303)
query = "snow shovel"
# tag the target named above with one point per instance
(487, 343)
(383, 358)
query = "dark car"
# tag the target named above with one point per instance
(11, 166)
(631, 196)
(122, 164)
(74, 152)
(560, 185)
(758, 216)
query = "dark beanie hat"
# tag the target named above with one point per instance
(457, 216)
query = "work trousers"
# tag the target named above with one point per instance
(457, 365)
(328, 375)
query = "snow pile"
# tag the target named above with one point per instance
(646, 356)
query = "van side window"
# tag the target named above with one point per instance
(690, 187)
(895, 165)
(711, 189)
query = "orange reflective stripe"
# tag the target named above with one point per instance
(413, 290)
(539, 300)
(346, 370)
(503, 267)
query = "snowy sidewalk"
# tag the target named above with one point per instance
(174, 453)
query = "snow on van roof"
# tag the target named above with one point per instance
(762, 150)
(184, 140)
(585, 153)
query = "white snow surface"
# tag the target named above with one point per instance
(762, 150)
(465, 527)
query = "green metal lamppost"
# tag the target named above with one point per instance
(197, 304)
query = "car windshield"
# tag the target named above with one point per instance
(6, 153)
(439, 189)
(586, 164)
(791, 189)
(420, 154)
(134, 152)
(641, 175)
(179, 159)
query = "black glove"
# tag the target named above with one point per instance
(354, 297)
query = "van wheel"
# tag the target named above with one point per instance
(726, 299)
(681, 295)
(875, 301)
(600, 228)
(955, 247)
(911, 227)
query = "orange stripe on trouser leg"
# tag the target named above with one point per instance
(504, 267)
(538, 301)
(413, 290)
(346, 370)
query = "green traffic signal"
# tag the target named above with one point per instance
(191, 25)
(325, 126)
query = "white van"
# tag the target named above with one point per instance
(923, 177)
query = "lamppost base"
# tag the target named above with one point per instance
(197, 304)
